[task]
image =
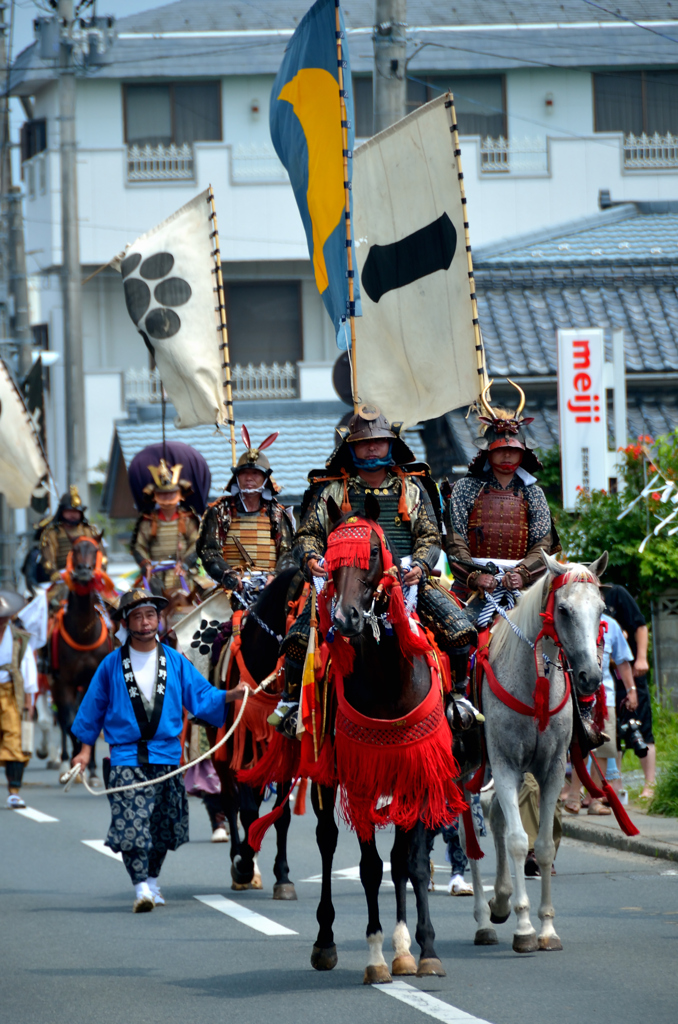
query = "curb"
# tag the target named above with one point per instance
(618, 841)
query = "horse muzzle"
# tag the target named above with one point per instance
(587, 681)
(83, 575)
(348, 622)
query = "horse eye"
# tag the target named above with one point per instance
(564, 610)
(374, 551)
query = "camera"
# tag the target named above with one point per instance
(629, 732)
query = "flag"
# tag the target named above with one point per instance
(415, 343)
(34, 398)
(168, 280)
(22, 464)
(306, 130)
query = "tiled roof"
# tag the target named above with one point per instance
(306, 440)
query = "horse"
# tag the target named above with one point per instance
(403, 772)
(567, 602)
(258, 638)
(80, 639)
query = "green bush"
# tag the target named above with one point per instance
(666, 793)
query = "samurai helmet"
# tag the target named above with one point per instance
(252, 458)
(505, 429)
(166, 478)
(71, 499)
(368, 423)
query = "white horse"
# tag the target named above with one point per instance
(515, 744)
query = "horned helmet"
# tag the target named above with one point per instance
(502, 428)
(252, 458)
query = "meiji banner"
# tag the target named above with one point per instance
(582, 413)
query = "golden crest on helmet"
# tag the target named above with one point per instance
(75, 496)
(166, 477)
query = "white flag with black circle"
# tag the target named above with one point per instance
(169, 280)
(416, 341)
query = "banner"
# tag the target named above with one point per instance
(34, 397)
(582, 413)
(22, 464)
(168, 278)
(415, 342)
(306, 130)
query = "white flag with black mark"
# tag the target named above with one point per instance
(169, 281)
(416, 341)
(22, 463)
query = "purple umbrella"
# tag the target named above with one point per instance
(194, 469)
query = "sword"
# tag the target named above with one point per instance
(248, 558)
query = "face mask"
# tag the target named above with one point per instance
(382, 463)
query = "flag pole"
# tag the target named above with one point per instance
(481, 364)
(222, 327)
(353, 358)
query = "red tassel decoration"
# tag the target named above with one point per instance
(260, 827)
(477, 781)
(473, 851)
(600, 712)
(300, 802)
(280, 763)
(625, 823)
(541, 697)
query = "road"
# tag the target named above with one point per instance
(73, 953)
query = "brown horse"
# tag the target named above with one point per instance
(392, 744)
(80, 638)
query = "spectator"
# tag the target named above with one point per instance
(622, 606)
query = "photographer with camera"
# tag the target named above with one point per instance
(622, 607)
(616, 649)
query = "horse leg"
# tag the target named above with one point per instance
(403, 961)
(507, 786)
(500, 904)
(545, 851)
(419, 870)
(324, 953)
(283, 888)
(242, 864)
(371, 873)
(66, 717)
(485, 934)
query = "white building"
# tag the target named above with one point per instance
(556, 104)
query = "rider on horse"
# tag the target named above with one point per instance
(58, 537)
(247, 528)
(373, 459)
(168, 533)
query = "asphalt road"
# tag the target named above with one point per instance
(73, 953)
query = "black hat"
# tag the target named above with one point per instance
(134, 598)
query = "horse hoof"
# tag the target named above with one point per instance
(376, 974)
(498, 918)
(485, 937)
(284, 891)
(324, 959)
(525, 943)
(430, 966)
(550, 943)
(256, 882)
(241, 879)
(403, 964)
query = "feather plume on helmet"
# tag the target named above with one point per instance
(502, 428)
(253, 459)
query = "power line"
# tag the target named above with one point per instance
(623, 17)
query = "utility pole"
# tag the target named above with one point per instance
(390, 62)
(7, 537)
(76, 448)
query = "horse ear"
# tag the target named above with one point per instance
(553, 566)
(372, 508)
(333, 511)
(600, 565)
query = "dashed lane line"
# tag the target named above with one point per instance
(98, 845)
(30, 812)
(246, 916)
(427, 1004)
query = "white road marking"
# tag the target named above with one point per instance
(426, 1003)
(98, 845)
(245, 915)
(353, 875)
(30, 812)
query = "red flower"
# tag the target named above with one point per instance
(655, 495)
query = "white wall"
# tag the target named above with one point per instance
(528, 114)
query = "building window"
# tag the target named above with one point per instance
(264, 322)
(634, 102)
(480, 102)
(159, 115)
(363, 107)
(33, 138)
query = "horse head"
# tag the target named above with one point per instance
(84, 561)
(577, 607)
(355, 562)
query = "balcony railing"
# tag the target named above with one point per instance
(648, 152)
(144, 387)
(160, 163)
(256, 164)
(513, 156)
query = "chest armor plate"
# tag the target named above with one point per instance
(396, 529)
(168, 543)
(254, 533)
(498, 525)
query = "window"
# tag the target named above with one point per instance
(634, 102)
(165, 114)
(264, 322)
(33, 138)
(363, 107)
(480, 102)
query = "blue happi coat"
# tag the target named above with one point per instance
(107, 705)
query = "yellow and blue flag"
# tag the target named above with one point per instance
(306, 129)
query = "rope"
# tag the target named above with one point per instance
(516, 629)
(68, 778)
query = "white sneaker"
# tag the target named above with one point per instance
(15, 802)
(144, 901)
(457, 886)
(220, 835)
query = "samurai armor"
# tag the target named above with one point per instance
(254, 533)
(498, 525)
